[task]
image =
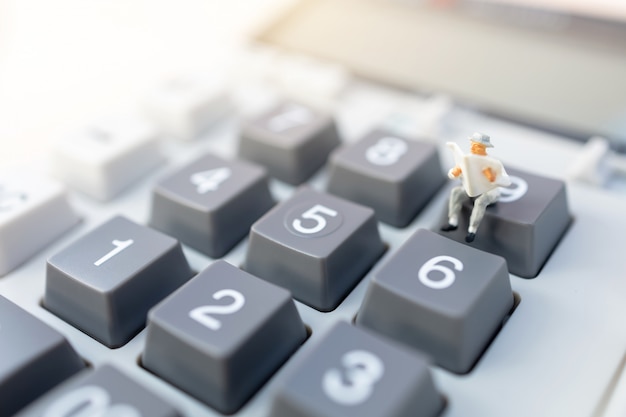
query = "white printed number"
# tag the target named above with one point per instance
(513, 192)
(202, 314)
(292, 117)
(120, 245)
(425, 273)
(314, 214)
(210, 180)
(89, 401)
(353, 384)
(387, 151)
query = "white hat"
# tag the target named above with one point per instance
(482, 139)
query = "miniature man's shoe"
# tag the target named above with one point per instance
(470, 237)
(448, 227)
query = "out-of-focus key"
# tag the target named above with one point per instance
(106, 281)
(316, 245)
(441, 297)
(33, 358)
(292, 141)
(353, 373)
(211, 203)
(34, 211)
(222, 335)
(393, 175)
(108, 156)
(185, 106)
(104, 392)
(524, 226)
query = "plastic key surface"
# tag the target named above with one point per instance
(395, 176)
(33, 358)
(292, 141)
(353, 373)
(441, 297)
(34, 211)
(222, 335)
(105, 282)
(524, 226)
(211, 203)
(102, 392)
(108, 156)
(316, 245)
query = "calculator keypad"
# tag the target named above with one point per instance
(393, 175)
(211, 203)
(352, 373)
(104, 391)
(222, 335)
(33, 358)
(441, 297)
(524, 226)
(292, 141)
(106, 281)
(316, 245)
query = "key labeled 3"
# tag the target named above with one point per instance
(441, 297)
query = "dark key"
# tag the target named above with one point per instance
(211, 203)
(106, 281)
(395, 176)
(104, 392)
(33, 358)
(316, 245)
(441, 297)
(222, 335)
(353, 373)
(524, 226)
(292, 141)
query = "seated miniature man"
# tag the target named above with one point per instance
(481, 177)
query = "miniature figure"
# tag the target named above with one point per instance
(481, 177)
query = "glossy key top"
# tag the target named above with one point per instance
(222, 335)
(33, 358)
(353, 373)
(106, 281)
(393, 175)
(441, 297)
(211, 203)
(524, 226)
(316, 245)
(103, 392)
(292, 141)
(34, 211)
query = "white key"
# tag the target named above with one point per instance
(34, 211)
(106, 157)
(185, 106)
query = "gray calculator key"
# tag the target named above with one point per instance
(211, 203)
(316, 245)
(33, 358)
(393, 175)
(353, 373)
(104, 391)
(222, 335)
(292, 141)
(441, 297)
(524, 226)
(106, 281)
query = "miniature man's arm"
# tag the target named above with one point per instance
(454, 172)
(489, 174)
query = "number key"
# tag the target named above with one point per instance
(353, 373)
(316, 245)
(105, 282)
(441, 297)
(222, 335)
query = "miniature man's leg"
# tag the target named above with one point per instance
(478, 212)
(457, 195)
